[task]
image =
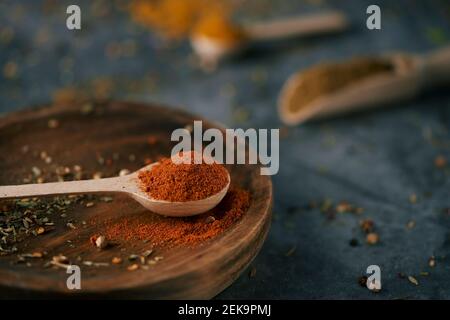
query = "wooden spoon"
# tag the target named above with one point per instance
(212, 50)
(412, 74)
(128, 184)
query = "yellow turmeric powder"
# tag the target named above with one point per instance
(176, 19)
(219, 27)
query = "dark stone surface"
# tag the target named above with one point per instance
(374, 160)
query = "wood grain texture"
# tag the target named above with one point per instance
(111, 129)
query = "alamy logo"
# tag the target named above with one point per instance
(74, 280)
(73, 21)
(374, 279)
(374, 20)
(240, 147)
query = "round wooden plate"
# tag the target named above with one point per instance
(113, 131)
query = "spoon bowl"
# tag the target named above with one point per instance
(171, 208)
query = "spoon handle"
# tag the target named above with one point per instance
(59, 188)
(328, 22)
(437, 67)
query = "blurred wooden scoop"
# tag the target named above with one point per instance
(212, 46)
(408, 76)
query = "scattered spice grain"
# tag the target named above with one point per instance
(410, 225)
(372, 238)
(101, 242)
(116, 260)
(133, 267)
(432, 262)
(291, 251)
(413, 280)
(252, 272)
(367, 225)
(362, 281)
(440, 162)
(171, 232)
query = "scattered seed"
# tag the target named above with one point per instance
(367, 225)
(152, 140)
(372, 238)
(101, 264)
(147, 253)
(106, 199)
(133, 257)
(413, 280)
(93, 239)
(36, 171)
(101, 242)
(344, 207)
(33, 255)
(87, 108)
(189, 127)
(210, 219)
(90, 204)
(40, 230)
(432, 262)
(60, 259)
(133, 267)
(97, 175)
(116, 260)
(71, 225)
(440, 162)
(326, 206)
(362, 281)
(410, 225)
(413, 198)
(53, 123)
(291, 251)
(252, 272)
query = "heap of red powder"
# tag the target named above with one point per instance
(183, 182)
(170, 232)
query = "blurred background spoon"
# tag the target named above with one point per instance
(211, 47)
(410, 75)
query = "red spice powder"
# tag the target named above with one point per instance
(170, 232)
(183, 182)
